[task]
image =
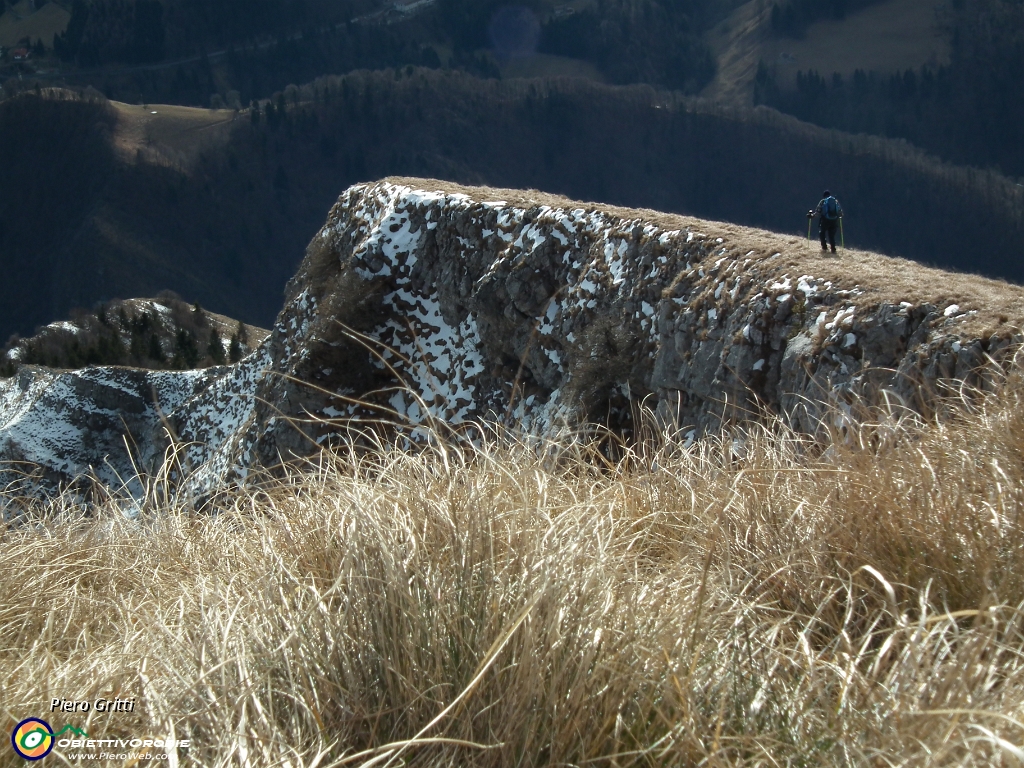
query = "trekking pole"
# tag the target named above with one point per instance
(842, 237)
(808, 230)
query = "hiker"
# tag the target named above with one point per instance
(829, 211)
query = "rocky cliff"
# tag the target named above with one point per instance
(422, 301)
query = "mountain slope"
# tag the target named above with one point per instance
(422, 303)
(97, 207)
(224, 221)
(886, 37)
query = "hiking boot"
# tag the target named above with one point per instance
(824, 249)
(833, 249)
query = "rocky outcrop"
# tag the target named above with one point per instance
(419, 301)
(103, 422)
(161, 333)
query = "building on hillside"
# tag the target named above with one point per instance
(20, 54)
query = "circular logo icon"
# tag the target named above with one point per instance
(32, 738)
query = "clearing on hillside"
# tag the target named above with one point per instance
(891, 36)
(183, 130)
(22, 20)
(548, 65)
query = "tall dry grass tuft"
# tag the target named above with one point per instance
(504, 605)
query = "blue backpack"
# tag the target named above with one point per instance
(830, 208)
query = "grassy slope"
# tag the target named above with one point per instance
(20, 21)
(546, 65)
(170, 130)
(503, 606)
(892, 36)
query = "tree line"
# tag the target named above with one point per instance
(117, 333)
(271, 43)
(142, 31)
(653, 149)
(230, 228)
(968, 111)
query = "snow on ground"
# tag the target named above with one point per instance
(217, 422)
(651, 277)
(442, 360)
(74, 422)
(596, 252)
(439, 356)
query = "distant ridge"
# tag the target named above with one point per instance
(161, 333)
(226, 225)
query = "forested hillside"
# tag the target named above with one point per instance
(259, 46)
(969, 111)
(228, 228)
(215, 52)
(138, 31)
(162, 333)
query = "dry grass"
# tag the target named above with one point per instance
(548, 65)
(168, 133)
(512, 606)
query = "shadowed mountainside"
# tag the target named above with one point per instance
(226, 225)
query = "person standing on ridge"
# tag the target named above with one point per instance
(829, 212)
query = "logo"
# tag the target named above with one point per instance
(32, 738)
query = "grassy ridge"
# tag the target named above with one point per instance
(502, 606)
(226, 223)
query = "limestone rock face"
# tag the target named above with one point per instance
(419, 303)
(71, 423)
(546, 314)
